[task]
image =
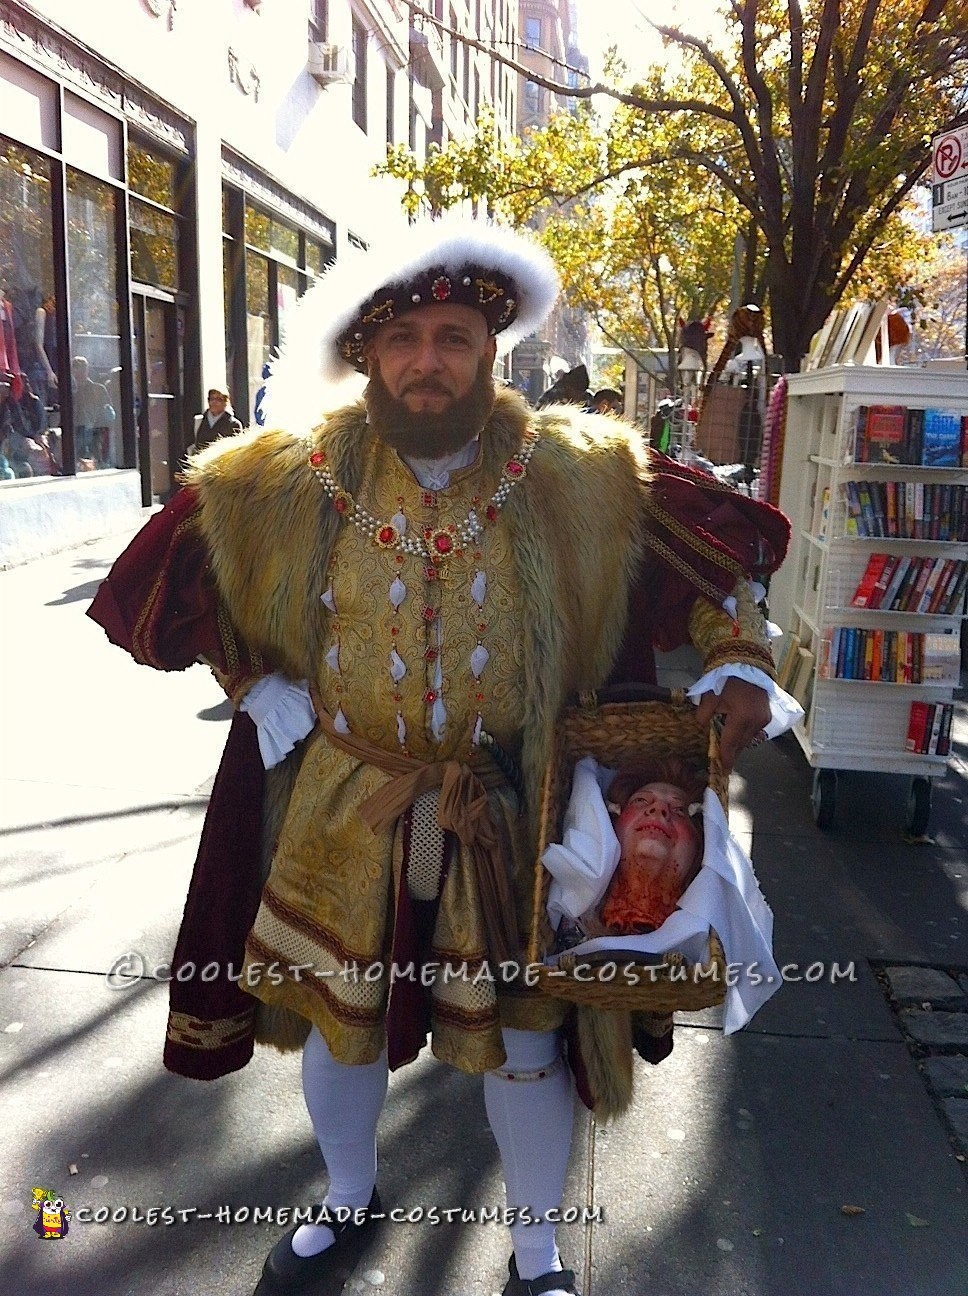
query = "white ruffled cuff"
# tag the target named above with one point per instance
(785, 710)
(283, 713)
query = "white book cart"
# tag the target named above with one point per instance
(857, 724)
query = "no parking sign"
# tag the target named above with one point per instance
(949, 187)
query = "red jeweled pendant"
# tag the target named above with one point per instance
(317, 457)
(513, 468)
(387, 536)
(442, 543)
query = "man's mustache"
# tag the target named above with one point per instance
(429, 385)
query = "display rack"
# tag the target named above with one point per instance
(858, 723)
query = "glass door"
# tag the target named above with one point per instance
(158, 366)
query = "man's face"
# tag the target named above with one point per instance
(655, 829)
(217, 402)
(430, 357)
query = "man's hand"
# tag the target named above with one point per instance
(745, 709)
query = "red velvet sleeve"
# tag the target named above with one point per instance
(159, 602)
(700, 538)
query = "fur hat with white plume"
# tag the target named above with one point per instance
(502, 273)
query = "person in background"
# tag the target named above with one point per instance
(608, 401)
(218, 420)
(93, 412)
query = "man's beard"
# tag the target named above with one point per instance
(428, 435)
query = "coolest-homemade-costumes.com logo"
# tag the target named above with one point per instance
(52, 1214)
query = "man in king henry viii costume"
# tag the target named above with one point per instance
(399, 597)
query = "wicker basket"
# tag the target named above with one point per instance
(619, 733)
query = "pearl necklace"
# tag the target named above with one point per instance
(436, 544)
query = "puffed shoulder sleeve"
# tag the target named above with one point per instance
(159, 602)
(701, 542)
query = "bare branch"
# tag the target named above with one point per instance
(569, 91)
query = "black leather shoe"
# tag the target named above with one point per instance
(285, 1272)
(560, 1280)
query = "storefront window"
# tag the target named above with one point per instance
(154, 246)
(258, 321)
(29, 437)
(92, 267)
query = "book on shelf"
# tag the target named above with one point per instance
(942, 658)
(956, 598)
(894, 583)
(824, 514)
(945, 582)
(864, 348)
(917, 724)
(788, 660)
(801, 686)
(964, 440)
(913, 434)
(882, 584)
(884, 434)
(871, 575)
(944, 738)
(930, 585)
(941, 446)
(934, 733)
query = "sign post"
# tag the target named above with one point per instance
(949, 191)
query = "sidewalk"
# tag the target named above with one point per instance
(730, 1176)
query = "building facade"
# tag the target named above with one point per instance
(548, 31)
(174, 174)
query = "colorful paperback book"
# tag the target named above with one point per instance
(919, 533)
(884, 434)
(852, 515)
(860, 433)
(949, 572)
(917, 724)
(867, 523)
(941, 444)
(890, 490)
(908, 532)
(908, 583)
(865, 587)
(894, 585)
(964, 440)
(883, 582)
(934, 575)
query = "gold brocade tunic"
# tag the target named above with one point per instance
(422, 655)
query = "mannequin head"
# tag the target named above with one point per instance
(661, 844)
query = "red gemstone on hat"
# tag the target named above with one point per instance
(317, 458)
(441, 288)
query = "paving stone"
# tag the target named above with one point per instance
(956, 1110)
(915, 985)
(948, 1076)
(940, 1029)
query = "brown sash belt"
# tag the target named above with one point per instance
(461, 809)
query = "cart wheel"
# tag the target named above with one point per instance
(918, 807)
(823, 797)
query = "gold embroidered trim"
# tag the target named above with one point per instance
(142, 653)
(701, 547)
(194, 1032)
(680, 564)
(729, 652)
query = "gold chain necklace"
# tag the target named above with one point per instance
(436, 543)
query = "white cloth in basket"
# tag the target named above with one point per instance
(724, 896)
